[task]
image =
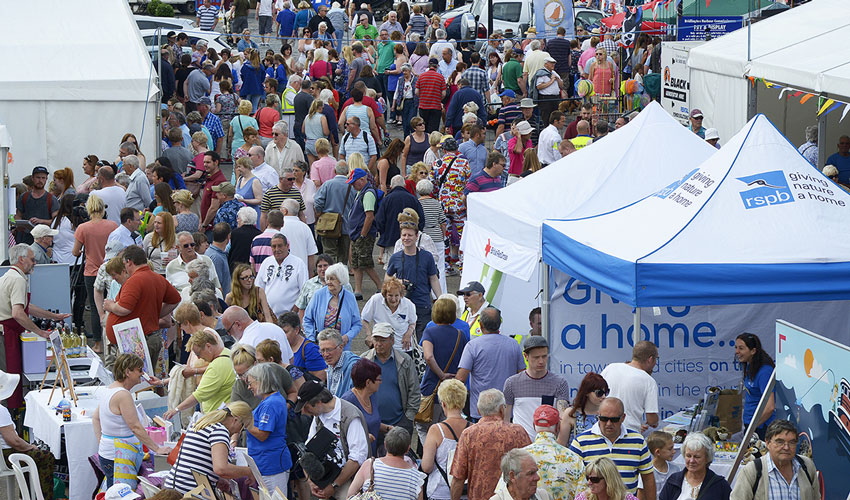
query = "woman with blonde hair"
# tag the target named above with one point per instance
(418, 172)
(390, 306)
(323, 167)
(239, 123)
(249, 189)
(441, 439)
(206, 448)
(433, 152)
(185, 219)
(603, 75)
(90, 237)
(63, 182)
(314, 127)
(530, 162)
(604, 482)
(160, 245)
(244, 293)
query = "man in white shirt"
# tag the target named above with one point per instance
(247, 331)
(113, 195)
(281, 276)
(633, 384)
(175, 271)
(126, 233)
(281, 152)
(298, 234)
(268, 176)
(550, 139)
(139, 190)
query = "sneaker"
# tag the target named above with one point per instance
(452, 272)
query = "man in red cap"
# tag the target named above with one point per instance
(561, 470)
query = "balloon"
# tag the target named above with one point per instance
(808, 361)
(584, 88)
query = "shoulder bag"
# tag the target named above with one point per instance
(370, 493)
(426, 406)
(329, 224)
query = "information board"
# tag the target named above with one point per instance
(706, 28)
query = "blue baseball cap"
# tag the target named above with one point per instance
(508, 93)
(355, 174)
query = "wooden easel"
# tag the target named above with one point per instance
(61, 364)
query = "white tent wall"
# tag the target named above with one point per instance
(75, 89)
(722, 99)
(513, 296)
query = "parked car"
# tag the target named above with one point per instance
(185, 6)
(214, 40)
(166, 23)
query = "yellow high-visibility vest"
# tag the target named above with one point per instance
(289, 109)
(581, 141)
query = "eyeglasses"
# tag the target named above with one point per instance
(290, 179)
(613, 420)
(784, 444)
(276, 134)
(601, 393)
(248, 278)
(595, 479)
(189, 245)
(328, 351)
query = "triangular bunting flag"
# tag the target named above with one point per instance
(846, 109)
(828, 103)
(832, 108)
(797, 93)
(806, 98)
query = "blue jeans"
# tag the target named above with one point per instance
(408, 111)
(255, 101)
(339, 34)
(108, 468)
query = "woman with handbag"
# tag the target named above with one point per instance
(442, 439)
(333, 306)
(394, 476)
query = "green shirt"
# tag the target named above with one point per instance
(386, 56)
(360, 32)
(216, 383)
(511, 71)
(369, 201)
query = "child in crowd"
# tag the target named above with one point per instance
(660, 444)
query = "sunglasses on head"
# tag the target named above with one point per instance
(594, 479)
(601, 392)
(613, 420)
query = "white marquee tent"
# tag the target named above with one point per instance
(502, 232)
(799, 48)
(76, 78)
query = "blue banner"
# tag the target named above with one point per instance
(698, 28)
(549, 15)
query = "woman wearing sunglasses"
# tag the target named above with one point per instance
(583, 414)
(604, 483)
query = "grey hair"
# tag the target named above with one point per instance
(131, 160)
(202, 283)
(397, 441)
(490, 401)
(291, 206)
(264, 374)
(441, 34)
(205, 296)
(407, 66)
(812, 133)
(338, 271)
(512, 462)
(329, 334)
(129, 147)
(397, 181)
(454, 298)
(341, 168)
(18, 252)
(282, 126)
(696, 441)
(424, 187)
(356, 118)
(247, 215)
(287, 170)
(534, 45)
(280, 236)
(186, 234)
(323, 24)
(198, 266)
(295, 79)
(392, 12)
(258, 150)
(123, 178)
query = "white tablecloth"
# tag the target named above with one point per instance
(80, 442)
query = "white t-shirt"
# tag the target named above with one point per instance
(5, 421)
(299, 237)
(635, 388)
(257, 332)
(264, 8)
(376, 311)
(282, 282)
(63, 243)
(114, 197)
(661, 477)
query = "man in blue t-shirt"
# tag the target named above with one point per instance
(286, 22)
(416, 268)
(841, 159)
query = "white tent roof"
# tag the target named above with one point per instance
(503, 227)
(68, 51)
(801, 48)
(754, 223)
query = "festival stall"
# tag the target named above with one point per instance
(74, 82)
(777, 67)
(501, 240)
(755, 226)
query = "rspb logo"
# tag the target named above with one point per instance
(766, 189)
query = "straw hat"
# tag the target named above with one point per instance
(183, 197)
(8, 383)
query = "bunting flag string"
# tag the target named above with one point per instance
(846, 109)
(825, 105)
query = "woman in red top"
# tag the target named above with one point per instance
(91, 237)
(266, 117)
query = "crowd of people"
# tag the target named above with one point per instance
(243, 285)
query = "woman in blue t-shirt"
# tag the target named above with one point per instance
(268, 431)
(757, 367)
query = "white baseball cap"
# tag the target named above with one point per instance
(119, 491)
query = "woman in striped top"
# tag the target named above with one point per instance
(206, 448)
(395, 476)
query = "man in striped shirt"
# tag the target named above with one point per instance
(275, 196)
(627, 449)
(431, 88)
(489, 179)
(207, 16)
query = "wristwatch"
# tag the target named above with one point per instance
(334, 486)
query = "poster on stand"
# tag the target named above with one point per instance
(813, 392)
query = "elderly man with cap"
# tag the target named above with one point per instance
(197, 85)
(228, 206)
(449, 177)
(534, 386)
(398, 395)
(431, 88)
(473, 297)
(15, 311)
(548, 84)
(361, 230)
(349, 450)
(696, 123)
(42, 246)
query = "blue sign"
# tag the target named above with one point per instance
(699, 28)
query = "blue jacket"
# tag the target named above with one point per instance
(349, 315)
(386, 218)
(357, 215)
(252, 80)
(713, 487)
(345, 383)
(331, 197)
(286, 20)
(454, 115)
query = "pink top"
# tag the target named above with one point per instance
(602, 84)
(93, 235)
(322, 170)
(585, 56)
(515, 167)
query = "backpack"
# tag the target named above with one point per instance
(759, 471)
(26, 196)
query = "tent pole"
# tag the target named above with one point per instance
(821, 140)
(636, 332)
(544, 308)
(4, 224)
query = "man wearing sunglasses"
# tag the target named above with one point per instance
(175, 271)
(627, 448)
(632, 382)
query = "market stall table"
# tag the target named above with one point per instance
(723, 460)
